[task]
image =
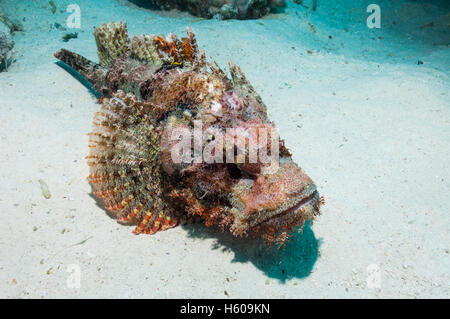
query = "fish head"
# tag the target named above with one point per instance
(228, 156)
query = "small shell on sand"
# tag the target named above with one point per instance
(45, 190)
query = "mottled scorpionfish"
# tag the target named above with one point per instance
(149, 86)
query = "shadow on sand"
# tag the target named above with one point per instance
(295, 260)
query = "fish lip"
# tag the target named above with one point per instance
(310, 197)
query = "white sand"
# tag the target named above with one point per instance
(366, 122)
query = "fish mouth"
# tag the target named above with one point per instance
(310, 200)
(274, 205)
(277, 228)
(303, 209)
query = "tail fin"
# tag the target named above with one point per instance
(75, 61)
(91, 71)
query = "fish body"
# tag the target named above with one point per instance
(160, 151)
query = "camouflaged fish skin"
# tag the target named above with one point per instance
(154, 84)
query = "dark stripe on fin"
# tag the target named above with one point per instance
(80, 78)
(90, 71)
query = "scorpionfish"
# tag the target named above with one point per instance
(151, 87)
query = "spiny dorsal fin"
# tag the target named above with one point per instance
(240, 82)
(143, 49)
(112, 42)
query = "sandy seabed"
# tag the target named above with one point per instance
(362, 116)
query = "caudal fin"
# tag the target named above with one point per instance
(91, 71)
